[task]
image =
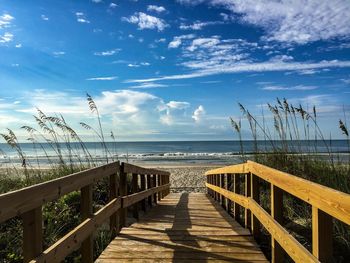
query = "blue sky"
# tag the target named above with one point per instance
(172, 70)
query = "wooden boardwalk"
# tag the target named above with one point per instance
(184, 228)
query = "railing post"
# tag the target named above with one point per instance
(237, 190)
(247, 216)
(32, 234)
(134, 183)
(149, 186)
(113, 193)
(159, 179)
(255, 194)
(123, 191)
(87, 247)
(154, 184)
(222, 185)
(322, 229)
(163, 183)
(217, 183)
(229, 188)
(143, 188)
(277, 252)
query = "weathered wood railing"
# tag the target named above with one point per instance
(147, 185)
(223, 185)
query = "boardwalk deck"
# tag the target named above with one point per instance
(184, 228)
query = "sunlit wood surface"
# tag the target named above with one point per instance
(184, 228)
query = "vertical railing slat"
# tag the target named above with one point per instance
(229, 188)
(134, 190)
(322, 231)
(255, 194)
(143, 188)
(247, 213)
(113, 193)
(123, 191)
(149, 186)
(32, 234)
(87, 247)
(222, 185)
(237, 190)
(277, 252)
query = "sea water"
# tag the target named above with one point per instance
(163, 151)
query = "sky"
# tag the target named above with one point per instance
(172, 70)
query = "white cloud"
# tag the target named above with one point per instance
(298, 87)
(199, 25)
(190, 2)
(299, 21)
(81, 18)
(155, 8)
(198, 114)
(107, 52)
(5, 20)
(18, 46)
(346, 81)
(113, 5)
(6, 37)
(251, 67)
(177, 41)
(145, 21)
(178, 105)
(97, 1)
(203, 43)
(136, 65)
(148, 85)
(58, 53)
(103, 78)
(44, 17)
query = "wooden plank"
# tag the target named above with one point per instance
(17, 202)
(237, 168)
(183, 255)
(277, 253)
(333, 202)
(32, 234)
(135, 260)
(177, 231)
(240, 199)
(87, 247)
(294, 249)
(322, 235)
(73, 240)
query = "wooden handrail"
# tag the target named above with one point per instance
(326, 204)
(27, 203)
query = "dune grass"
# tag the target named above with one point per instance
(285, 139)
(70, 150)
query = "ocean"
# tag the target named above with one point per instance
(218, 152)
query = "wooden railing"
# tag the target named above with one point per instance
(223, 185)
(148, 185)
